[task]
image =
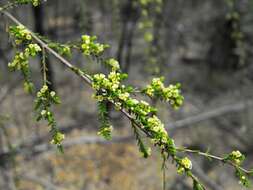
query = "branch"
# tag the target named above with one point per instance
(201, 174)
(84, 77)
(209, 115)
(213, 157)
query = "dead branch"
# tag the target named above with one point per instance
(187, 122)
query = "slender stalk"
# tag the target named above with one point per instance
(44, 69)
(210, 156)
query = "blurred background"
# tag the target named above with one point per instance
(205, 45)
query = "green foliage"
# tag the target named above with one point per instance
(109, 88)
(45, 99)
(170, 94)
(237, 158)
(105, 128)
(21, 59)
(237, 35)
(145, 151)
(34, 2)
(197, 185)
(184, 165)
(150, 9)
(91, 47)
(243, 178)
(20, 33)
(114, 64)
(62, 49)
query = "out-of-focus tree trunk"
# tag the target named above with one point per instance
(129, 17)
(38, 19)
(129, 48)
(84, 17)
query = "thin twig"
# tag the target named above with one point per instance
(204, 177)
(85, 77)
(209, 115)
(210, 156)
(44, 66)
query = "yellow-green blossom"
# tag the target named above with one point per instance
(58, 138)
(90, 47)
(156, 125)
(180, 170)
(52, 93)
(170, 94)
(113, 63)
(186, 163)
(43, 112)
(236, 154)
(124, 96)
(44, 89)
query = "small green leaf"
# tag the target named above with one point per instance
(197, 186)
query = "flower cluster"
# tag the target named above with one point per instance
(34, 2)
(111, 84)
(57, 139)
(141, 108)
(21, 59)
(21, 63)
(90, 47)
(243, 178)
(184, 164)
(105, 131)
(110, 89)
(146, 24)
(148, 7)
(236, 156)
(237, 34)
(170, 94)
(113, 63)
(62, 49)
(151, 9)
(154, 124)
(45, 98)
(20, 33)
(147, 2)
(32, 50)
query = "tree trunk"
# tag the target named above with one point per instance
(38, 18)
